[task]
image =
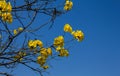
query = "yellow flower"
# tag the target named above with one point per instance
(63, 52)
(32, 44)
(15, 32)
(39, 43)
(68, 5)
(66, 8)
(5, 11)
(66, 53)
(58, 48)
(78, 34)
(67, 28)
(9, 7)
(49, 51)
(4, 16)
(7, 17)
(45, 67)
(10, 20)
(3, 5)
(41, 60)
(43, 52)
(59, 41)
(20, 29)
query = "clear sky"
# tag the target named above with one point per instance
(99, 53)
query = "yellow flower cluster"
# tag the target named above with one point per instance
(78, 34)
(32, 44)
(5, 11)
(59, 41)
(16, 31)
(20, 56)
(44, 53)
(41, 60)
(59, 45)
(68, 5)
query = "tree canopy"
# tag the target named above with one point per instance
(18, 32)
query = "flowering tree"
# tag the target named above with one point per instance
(17, 23)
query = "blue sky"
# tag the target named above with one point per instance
(99, 53)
